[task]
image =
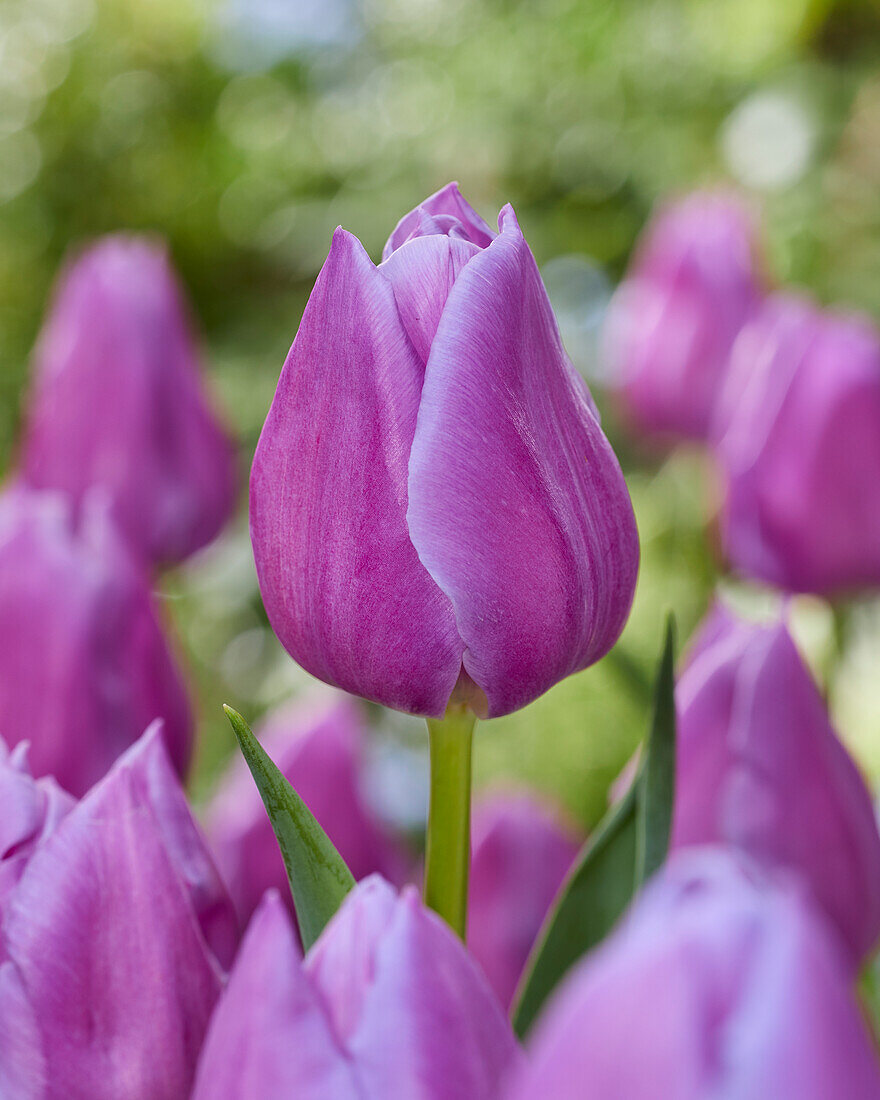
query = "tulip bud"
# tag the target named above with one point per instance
(760, 769)
(387, 1003)
(671, 324)
(433, 502)
(84, 667)
(118, 403)
(718, 984)
(110, 977)
(317, 746)
(799, 449)
(521, 853)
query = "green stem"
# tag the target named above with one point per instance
(448, 853)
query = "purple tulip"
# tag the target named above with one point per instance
(717, 985)
(387, 1003)
(111, 975)
(317, 744)
(799, 447)
(433, 502)
(520, 855)
(760, 769)
(691, 287)
(84, 666)
(118, 403)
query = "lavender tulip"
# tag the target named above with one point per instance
(118, 403)
(521, 852)
(760, 769)
(317, 745)
(111, 975)
(718, 985)
(84, 666)
(691, 287)
(433, 502)
(387, 1003)
(799, 448)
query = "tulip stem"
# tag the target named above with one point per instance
(448, 854)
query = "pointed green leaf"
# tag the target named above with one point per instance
(628, 845)
(318, 876)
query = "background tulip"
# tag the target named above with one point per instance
(760, 768)
(387, 1003)
(317, 744)
(117, 402)
(433, 501)
(521, 852)
(110, 978)
(692, 285)
(717, 985)
(84, 666)
(799, 448)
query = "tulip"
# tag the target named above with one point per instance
(718, 985)
(521, 853)
(433, 502)
(387, 1003)
(117, 402)
(671, 324)
(317, 745)
(799, 449)
(110, 976)
(760, 769)
(84, 667)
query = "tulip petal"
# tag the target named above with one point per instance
(446, 211)
(517, 505)
(343, 586)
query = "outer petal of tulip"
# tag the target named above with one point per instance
(692, 286)
(317, 745)
(342, 583)
(446, 211)
(799, 446)
(760, 769)
(717, 985)
(517, 505)
(118, 403)
(84, 667)
(520, 855)
(109, 982)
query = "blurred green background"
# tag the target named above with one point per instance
(245, 130)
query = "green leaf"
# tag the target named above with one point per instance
(318, 876)
(629, 844)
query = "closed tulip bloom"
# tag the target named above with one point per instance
(84, 667)
(110, 976)
(761, 769)
(387, 1003)
(118, 402)
(521, 852)
(433, 502)
(317, 744)
(799, 449)
(692, 285)
(718, 985)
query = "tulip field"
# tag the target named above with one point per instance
(439, 550)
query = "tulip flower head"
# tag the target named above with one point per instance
(433, 502)
(118, 403)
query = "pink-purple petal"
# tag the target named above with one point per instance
(446, 212)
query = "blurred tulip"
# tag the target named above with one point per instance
(118, 403)
(799, 448)
(84, 667)
(718, 985)
(433, 502)
(521, 853)
(671, 324)
(387, 1004)
(317, 745)
(110, 980)
(760, 769)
